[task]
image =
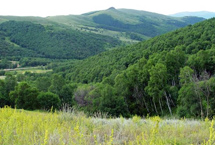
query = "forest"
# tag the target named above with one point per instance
(168, 75)
(36, 40)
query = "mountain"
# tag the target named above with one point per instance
(125, 24)
(203, 14)
(81, 36)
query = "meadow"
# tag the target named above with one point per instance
(28, 69)
(24, 70)
(70, 127)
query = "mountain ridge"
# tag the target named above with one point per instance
(81, 36)
(204, 14)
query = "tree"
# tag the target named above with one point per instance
(24, 96)
(195, 92)
(43, 83)
(174, 60)
(157, 86)
(47, 100)
(103, 98)
(3, 99)
(57, 83)
(67, 93)
(10, 83)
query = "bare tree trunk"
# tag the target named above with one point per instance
(208, 94)
(139, 98)
(151, 104)
(145, 104)
(155, 106)
(161, 107)
(173, 82)
(197, 89)
(167, 101)
(171, 100)
(200, 101)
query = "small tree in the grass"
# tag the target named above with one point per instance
(47, 100)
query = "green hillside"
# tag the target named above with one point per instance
(169, 74)
(51, 41)
(125, 24)
(191, 39)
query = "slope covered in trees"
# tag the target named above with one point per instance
(166, 75)
(190, 39)
(172, 73)
(50, 42)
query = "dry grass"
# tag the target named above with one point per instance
(75, 128)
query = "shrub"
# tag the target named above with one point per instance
(47, 100)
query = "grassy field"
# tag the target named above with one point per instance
(24, 70)
(28, 69)
(2, 77)
(19, 127)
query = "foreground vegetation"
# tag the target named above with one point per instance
(71, 127)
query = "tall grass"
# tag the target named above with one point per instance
(19, 127)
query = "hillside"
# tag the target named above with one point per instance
(191, 39)
(167, 74)
(125, 24)
(50, 41)
(81, 36)
(203, 14)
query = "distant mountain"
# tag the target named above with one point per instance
(204, 14)
(81, 36)
(125, 24)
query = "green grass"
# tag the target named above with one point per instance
(2, 77)
(28, 69)
(33, 71)
(72, 127)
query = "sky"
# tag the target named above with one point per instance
(45, 8)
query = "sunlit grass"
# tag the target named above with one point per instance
(2, 77)
(61, 128)
(33, 71)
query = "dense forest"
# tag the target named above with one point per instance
(21, 38)
(171, 74)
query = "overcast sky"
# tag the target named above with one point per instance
(64, 7)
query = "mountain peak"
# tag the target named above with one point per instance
(111, 8)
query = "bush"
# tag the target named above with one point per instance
(47, 100)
